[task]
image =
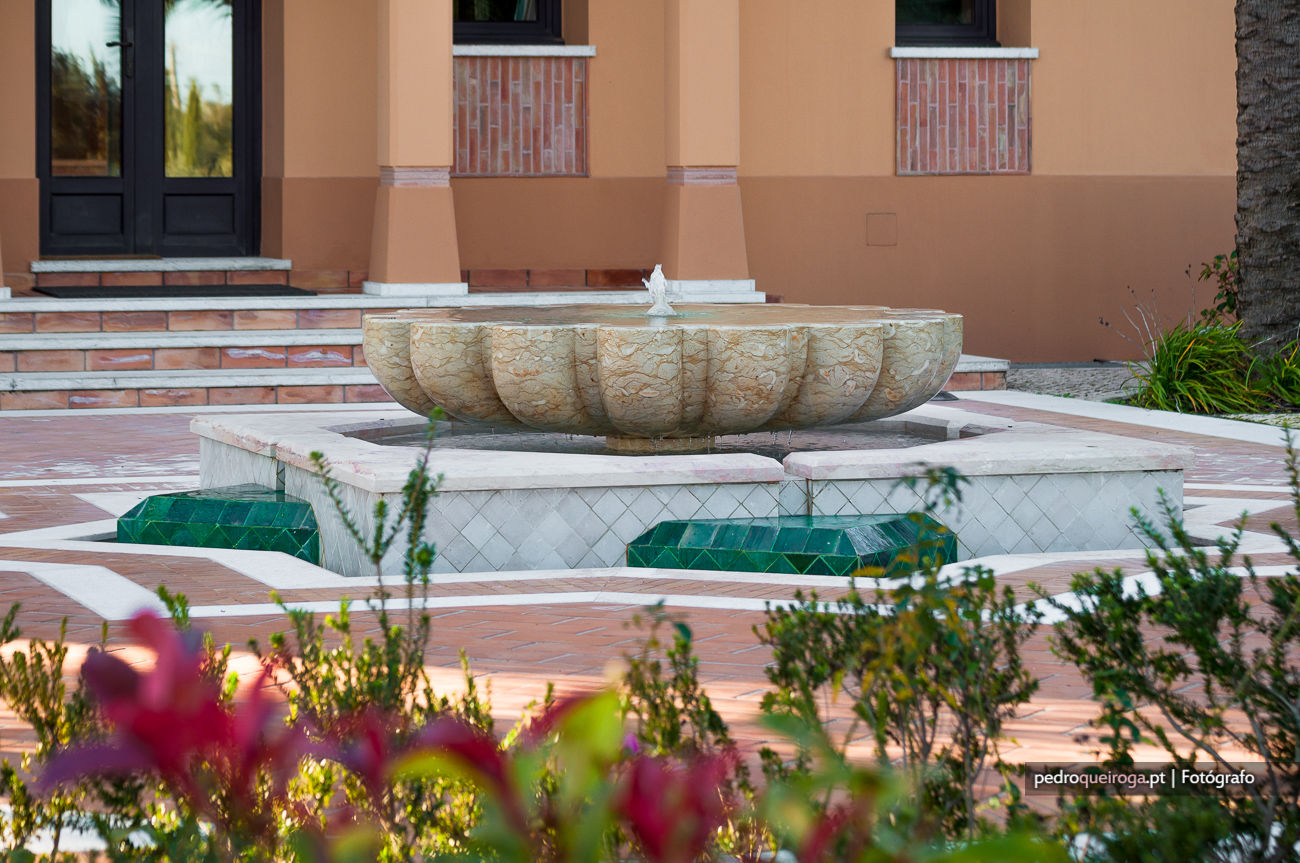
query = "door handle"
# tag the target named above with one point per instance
(128, 56)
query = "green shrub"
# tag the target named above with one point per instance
(1200, 368)
(1225, 275)
(1203, 366)
(931, 671)
(1204, 663)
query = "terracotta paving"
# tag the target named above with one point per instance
(59, 470)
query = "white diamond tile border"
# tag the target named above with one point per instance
(523, 529)
(1019, 514)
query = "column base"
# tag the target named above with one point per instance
(414, 236)
(704, 228)
(415, 289)
(5, 293)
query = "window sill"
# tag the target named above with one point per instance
(941, 53)
(523, 50)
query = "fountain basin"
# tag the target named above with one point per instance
(1032, 487)
(663, 384)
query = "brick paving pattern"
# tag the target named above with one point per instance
(59, 470)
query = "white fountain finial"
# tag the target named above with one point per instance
(658, 288)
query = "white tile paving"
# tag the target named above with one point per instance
(1210, 426)
(99, 589)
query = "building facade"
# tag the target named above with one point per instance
(1024, 163)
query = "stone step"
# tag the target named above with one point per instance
(335, 311)
(187, 387)
(167, 350)
(286, 384)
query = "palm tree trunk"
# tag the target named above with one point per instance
(1268, 170)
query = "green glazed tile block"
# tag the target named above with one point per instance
(238, 516)
(790, 544)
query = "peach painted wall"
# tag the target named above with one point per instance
(626, 88)
(1119, 88)
(816, 88)
(320, 139)
(702, 80)
(1134, 88)
(330, 92)
(18, 186)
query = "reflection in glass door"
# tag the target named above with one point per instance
(148, 135)
(86, 88)
(198, 88)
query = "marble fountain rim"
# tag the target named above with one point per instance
(975, 444)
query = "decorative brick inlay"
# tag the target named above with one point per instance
(521, 116)
(616, 278)
(266, 319)
(186, 358)
(15, 322)
(365, 393)
(124, 322)
(257, 277)
(206, 320)
(112, 280)
(316, 319)
(68, 322)
(103, 399)
(51, 361)
(692, 175)
(962, 116)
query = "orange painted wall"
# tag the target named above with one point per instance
(816, 88)
(1134, 88)
(1032, 262)
(18, 185)
(320, 140)
(1119, 88)
(626, 88)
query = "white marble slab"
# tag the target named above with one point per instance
(1024, 448)
(160, 265)
(416, 289)
(1190, 423)
(689, 289)
(358, 301)
(945, 53)
(523, 51)
(384, 470)
(973, 363)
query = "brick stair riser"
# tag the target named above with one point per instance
(183, 321)
(168, 359)
(327, 281)
(976, 381)
(191, 397)
(311, 280)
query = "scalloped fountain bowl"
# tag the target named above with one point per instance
(663, 384)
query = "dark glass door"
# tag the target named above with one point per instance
(147, 127)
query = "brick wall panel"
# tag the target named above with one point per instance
(963, 116)
(521, 116)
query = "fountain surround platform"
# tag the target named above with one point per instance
(1032, 487)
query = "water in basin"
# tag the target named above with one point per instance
(776, 445)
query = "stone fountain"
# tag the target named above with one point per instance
(662, 387)
(663, 382)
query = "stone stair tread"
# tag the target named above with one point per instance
(20, 305)
(159, 265)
